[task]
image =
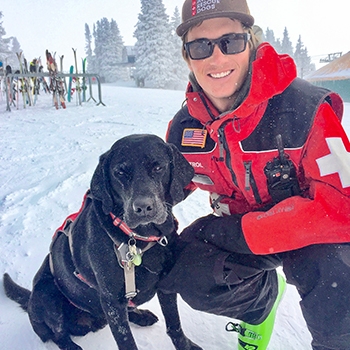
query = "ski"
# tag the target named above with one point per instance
(34, 68)
(21, 81)
(15, 86)
(56, 83)
(7, 85)
(84, 79)
(2, 81)
(28, 83)
(11, 88)
(61, 70)
(42, 80)
(69, 91)
(77, 81)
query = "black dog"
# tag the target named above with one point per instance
(88, 279)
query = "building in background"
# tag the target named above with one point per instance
(334, 76)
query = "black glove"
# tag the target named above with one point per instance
(224, 232)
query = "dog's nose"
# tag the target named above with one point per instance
(143, 206)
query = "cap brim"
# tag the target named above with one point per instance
(247, 20)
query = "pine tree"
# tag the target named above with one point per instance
(287, 46)
(153, 46)
(300, 55)
(180, 68)
(302, 59)
(88, 49)
(114, 52)
(270, 37)
(5, 53)
(13, 47)
(108, 50)
(101, 32)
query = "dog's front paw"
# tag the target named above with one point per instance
(68, 345)
(185, 344)
(142, 318)
(193, 346)
(180, 341)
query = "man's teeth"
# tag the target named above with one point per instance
(220, 75)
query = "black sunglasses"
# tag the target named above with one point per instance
(229, 44)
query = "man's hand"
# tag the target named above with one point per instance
(224, 232)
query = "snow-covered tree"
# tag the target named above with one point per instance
(13, 46)
(302, 59)
(180, 68)
(287, 46)
(154, 46)
(88, 49)
(270, 37)
(278, 46)
(101, 32)
(114, 53)
(5, 53)
(108, 50)
(300, 55)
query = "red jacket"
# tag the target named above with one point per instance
(229, 154)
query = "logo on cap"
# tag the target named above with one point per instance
(203, 5)
(194, 7)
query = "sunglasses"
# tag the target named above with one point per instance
(229, 44)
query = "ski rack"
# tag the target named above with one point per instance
(60, 75)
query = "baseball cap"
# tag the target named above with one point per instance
(196, 11)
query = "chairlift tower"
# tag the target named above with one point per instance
(331, 57)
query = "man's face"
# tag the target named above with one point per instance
(219, 75)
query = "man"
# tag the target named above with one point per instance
(271, 151)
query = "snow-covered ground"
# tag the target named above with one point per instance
(46, 162)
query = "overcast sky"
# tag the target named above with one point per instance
(59, 25)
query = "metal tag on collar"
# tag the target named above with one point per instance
(134, 255)
(163, 241)
(121, 252)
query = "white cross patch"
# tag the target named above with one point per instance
(338, 161)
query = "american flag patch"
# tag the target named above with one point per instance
(194, 137)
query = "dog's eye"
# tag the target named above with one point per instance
(120, 173)
(158, 169)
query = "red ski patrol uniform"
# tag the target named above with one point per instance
(230, 154)
(277, 170)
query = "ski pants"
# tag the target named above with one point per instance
(244, 286)
(321, 274)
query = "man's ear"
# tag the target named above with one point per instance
(181, 174)
(100, 183)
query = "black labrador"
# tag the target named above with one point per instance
(107, 259)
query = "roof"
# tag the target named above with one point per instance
(338, 69)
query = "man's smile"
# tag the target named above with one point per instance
(220, 75)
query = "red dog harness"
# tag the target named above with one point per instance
(128, 255)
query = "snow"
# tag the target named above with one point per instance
(46, 162)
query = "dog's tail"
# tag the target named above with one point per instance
(15, 292)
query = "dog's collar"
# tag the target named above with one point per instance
(127, 253)
(128, 231)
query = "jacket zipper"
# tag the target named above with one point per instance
(222, 147)
(249, 178)
(248, 168)
(250, 182)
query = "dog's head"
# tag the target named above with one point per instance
(141, 177)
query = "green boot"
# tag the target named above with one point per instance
(257, 337)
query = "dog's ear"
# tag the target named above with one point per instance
(181, 174)
(100, 183)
